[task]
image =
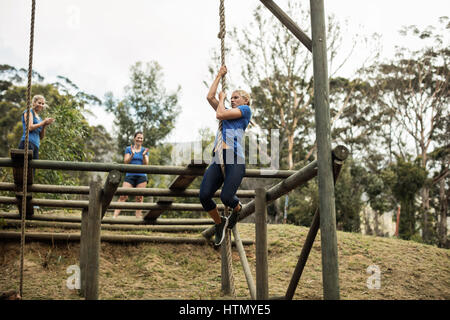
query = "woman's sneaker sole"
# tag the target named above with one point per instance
(223, 229)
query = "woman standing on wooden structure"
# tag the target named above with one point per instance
(36, 125)
(135, 154)
(228, 163)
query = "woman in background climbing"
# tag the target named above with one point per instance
(36, 126)
(228, 164)
(135, 154)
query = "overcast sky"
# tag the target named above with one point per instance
(93, 43)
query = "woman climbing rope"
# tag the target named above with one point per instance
(228, 164)
(36, 126)
(135, 154)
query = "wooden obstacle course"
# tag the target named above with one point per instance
(93, 212)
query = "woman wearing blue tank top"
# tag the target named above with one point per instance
(234, 122)
(36, 126)
(135, 154)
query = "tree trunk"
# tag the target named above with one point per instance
(443, 197)
(425, 192)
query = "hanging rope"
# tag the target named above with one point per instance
(219, 153)
(25, 158)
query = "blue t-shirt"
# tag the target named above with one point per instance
(138, 158)
(33, 136)
(233, 131)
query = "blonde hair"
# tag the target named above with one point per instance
(244, 94)
(36, 98)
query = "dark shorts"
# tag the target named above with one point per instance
(31, 147)
(135, 180)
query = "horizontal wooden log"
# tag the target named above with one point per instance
(119, 227)
(149, 169)
(83, 204)
(158, 192)
(52, 237)
(120, 220)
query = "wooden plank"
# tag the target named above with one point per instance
(120, 220)
(288, 23)
(83, 250)
(337, 166)
(328, 236)
(180, 183)
(52, 237)
(111, 184)
(93, 238)
(262, 267)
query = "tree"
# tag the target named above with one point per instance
(413, 88)
(146, 107)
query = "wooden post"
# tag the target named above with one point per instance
(93, 255)
(330, 272)
(227, 267)
(18, 156)
(83, 251)
(288, 23)
(337, 166)
(111, 184)
(244, 262)
(262, 269)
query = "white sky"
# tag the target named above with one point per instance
(93, 43)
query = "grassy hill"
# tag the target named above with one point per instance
(409, 270)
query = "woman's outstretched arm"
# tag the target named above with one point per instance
(211, 97)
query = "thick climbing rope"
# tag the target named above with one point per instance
(25, 158)
(219, 153)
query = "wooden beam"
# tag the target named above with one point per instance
(180, 183)
(84, 249)
(117, 227)
(159, 192)
(288, 23)
(118, 221)
(330, 269)
(247, 272)
(93, 238)
(262, 267)
(150, 169)
(52, 237)
(109, 189)
(307, 246)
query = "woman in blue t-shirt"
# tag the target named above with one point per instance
(135, 154)
(36, 126)
(234, 122)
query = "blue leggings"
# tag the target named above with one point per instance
(213, 179)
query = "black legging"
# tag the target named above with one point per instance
(213, 179)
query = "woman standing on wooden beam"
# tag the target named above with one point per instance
(36, 125)
(228, 163)
(135, 154)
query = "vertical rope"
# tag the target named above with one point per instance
(25, 159)
(227, 241)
